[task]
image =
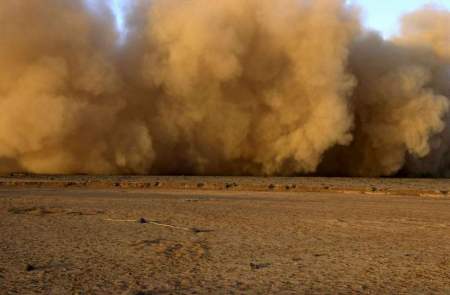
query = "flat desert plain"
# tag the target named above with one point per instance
(223, 235)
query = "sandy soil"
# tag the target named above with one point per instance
(85, 239)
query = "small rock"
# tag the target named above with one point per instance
(142, 220)
(30, 267)
(143, 293)
(255, 266)
(200, 230)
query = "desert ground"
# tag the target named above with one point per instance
(223, 235)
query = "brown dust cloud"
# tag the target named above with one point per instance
(226, 87)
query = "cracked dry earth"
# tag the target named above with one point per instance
(82, 241)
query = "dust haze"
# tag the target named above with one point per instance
(254, 87)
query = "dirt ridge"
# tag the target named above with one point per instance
(388, 186)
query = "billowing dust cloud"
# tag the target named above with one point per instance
(229, 87)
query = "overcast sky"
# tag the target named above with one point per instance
(381, 15)
(384, 15)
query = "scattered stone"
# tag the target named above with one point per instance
(148, 242)
(19, 174)
(75, 213)
(143, 293)
(290, 186)
(230, 185)
(70, 183)
(256, 266)
(21, 210)
(33, 211)
(192, 200)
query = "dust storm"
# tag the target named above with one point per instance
(254, 87)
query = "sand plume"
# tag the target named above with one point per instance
(254, 87)
(244, 85)
(60, 93)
